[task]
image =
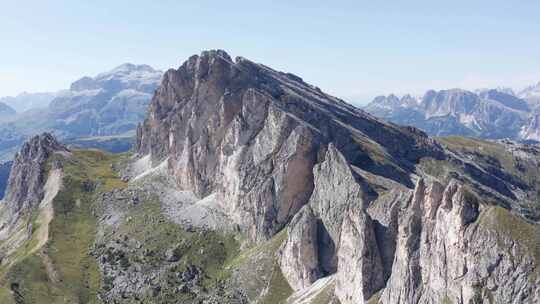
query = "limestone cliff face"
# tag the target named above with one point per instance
(445, 248)
(253, 135)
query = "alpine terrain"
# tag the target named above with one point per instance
(249, 185)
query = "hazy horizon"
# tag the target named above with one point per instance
(352, 50)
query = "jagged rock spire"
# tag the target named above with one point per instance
(27, 177)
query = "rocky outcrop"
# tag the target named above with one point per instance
(338, 235)
(300, 257)
(445, 247)
(436, 244)
(447, 253)
(336, 189)
(27, 178)
(360, 271)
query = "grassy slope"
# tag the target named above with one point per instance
(63, 271)
(515, 228)
(113, 144)
(495, 159)
(490, 150)
(207, 250)
(257, 271)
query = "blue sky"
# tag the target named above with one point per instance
(352, 49)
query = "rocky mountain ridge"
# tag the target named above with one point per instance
(243, 125)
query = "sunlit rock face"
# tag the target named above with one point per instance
(253, 136)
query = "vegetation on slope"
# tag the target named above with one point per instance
(256, 270)
(507, 168)
(113, 144)
(511, 227)
(184, 262)
(63, 270)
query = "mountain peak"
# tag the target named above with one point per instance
(130, 67)
(531, 92)
(216, 53)
(45, 142)
(122, 76)
(212, 108)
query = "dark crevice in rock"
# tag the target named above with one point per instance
(326, 250)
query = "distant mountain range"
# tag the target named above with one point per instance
(110, 103)
(28, 101)
(487, 113)
(6, 110)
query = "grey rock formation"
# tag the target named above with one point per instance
(360, 272)
(336, 188)
(26, 180)
(253, 135)
(300, 257)
(448, 251)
